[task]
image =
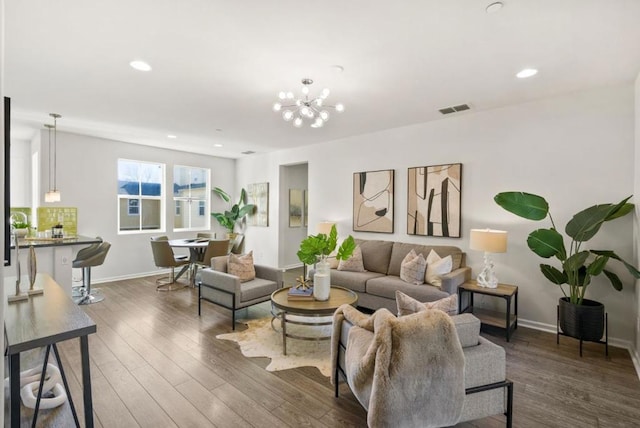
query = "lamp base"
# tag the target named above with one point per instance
(487, 278)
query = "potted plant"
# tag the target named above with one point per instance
(236, 212)
(315, 249)
(20, 224)
(579, 317)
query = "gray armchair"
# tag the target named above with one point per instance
(223, 289)
(464, 378)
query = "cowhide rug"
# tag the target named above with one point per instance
(260, 340)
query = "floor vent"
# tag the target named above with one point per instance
(454, 109)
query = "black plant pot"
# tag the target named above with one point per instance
(584, 321)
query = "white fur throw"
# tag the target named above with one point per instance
(407, 372)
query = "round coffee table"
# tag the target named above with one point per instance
(282, 307)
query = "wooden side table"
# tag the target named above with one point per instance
(506, 320)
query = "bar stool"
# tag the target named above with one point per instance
(89, 260)
(76, 290)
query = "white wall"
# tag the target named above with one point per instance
(575, 150)
(87, 179)
(20, 173)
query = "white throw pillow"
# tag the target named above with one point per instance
(353, 263)
(412, 268)
(437, 266)
(407, 305)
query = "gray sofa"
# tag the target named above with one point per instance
(487, 390)
(377, 286)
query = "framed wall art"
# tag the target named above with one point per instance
(373, 201)
(296, 205)
(433, 200)
(258, 194)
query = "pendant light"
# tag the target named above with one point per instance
(53, 195)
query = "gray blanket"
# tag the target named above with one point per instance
(407, 371)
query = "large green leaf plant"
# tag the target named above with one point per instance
(578, 265)
(318, 247)
(235, 213)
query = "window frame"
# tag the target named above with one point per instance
(187, 213)
(141, 198)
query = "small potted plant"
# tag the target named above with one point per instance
(579, 317)
(315, 249)
(236, 212)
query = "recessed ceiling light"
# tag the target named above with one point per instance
(494, 7)
(217, 145)
(140, 65)
(171, 136)
(337, 68)
(527, 72)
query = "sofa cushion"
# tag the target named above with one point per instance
(437, 266)
(256, 289)
(401, 249)
(413, 268)
(386, 286)
(407, 305)
(353, 263)
(376, 255)
(355, 281)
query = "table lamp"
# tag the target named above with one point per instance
(324, 227)
(489, 241)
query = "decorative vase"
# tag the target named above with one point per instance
(322, 280)
(585, 321)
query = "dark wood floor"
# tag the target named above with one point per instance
(156, 363)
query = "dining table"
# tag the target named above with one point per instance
(197, 247)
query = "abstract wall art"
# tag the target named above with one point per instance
(296, 205)
(258, 194)
(373, 201)
(433, 201)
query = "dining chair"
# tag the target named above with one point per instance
(164, 258)
(210, 235)
(215, 248)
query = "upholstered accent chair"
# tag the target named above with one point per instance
(223, 289)
(383, 359)
(164, 257)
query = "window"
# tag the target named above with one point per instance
(134, 206)
(140, 193)
(191, 198)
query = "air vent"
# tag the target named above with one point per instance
(248, 152)
(454, 109)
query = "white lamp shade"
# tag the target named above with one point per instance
(52, 196)
(324, 227)
(488, 240)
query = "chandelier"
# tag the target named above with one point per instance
(305, 108)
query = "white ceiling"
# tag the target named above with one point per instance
(218, 65)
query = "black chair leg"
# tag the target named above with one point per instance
(509, 404)
(199, 300)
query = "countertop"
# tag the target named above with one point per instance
(56, 242)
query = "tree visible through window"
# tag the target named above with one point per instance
(140, 193)
(191, 198)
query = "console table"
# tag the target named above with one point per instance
(43, 321)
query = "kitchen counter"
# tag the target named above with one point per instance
(55, 242)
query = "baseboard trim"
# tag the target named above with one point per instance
(618, 343)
